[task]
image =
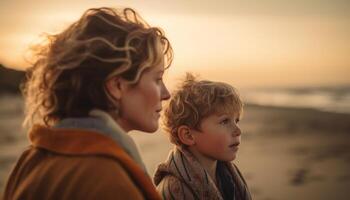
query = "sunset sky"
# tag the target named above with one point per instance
(249, 43)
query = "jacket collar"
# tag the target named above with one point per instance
(89, 141)
(101, 122)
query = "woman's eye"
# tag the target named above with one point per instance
(237, 120)
(159, 80)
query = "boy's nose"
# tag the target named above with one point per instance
(237, 132)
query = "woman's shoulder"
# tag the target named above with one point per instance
(102, 165)
(107, 176)
(95, 177)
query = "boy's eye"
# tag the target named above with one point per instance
(225, 121)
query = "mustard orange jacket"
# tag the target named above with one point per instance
(76, 164)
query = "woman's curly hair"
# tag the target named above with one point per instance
(68, 75)
(195, 100)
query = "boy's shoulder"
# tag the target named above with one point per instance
(171, 187)
(238, 172)
(240, 180)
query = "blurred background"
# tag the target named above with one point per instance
(289, 60)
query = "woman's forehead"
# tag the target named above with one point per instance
(158, 68)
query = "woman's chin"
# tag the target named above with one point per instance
(150, 129)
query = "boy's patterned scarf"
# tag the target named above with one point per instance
(183, 165)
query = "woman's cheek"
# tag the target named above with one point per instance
(156, 93)
(151, 95)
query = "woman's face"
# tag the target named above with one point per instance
(140, 105)
(219, 137)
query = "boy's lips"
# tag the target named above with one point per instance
(235, 144)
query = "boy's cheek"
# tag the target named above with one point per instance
(214, 140)
(219, 142)
(210, 142)
(222, 137)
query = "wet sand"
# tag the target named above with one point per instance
(286, 153)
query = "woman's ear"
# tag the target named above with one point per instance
(115, 87)
(185, 136)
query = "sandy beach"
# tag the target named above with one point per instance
(286, 153)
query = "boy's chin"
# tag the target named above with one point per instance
(228, 158)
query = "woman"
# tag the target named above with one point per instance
(89, 85)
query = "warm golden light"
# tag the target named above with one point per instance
(306, 48)
(288, 59)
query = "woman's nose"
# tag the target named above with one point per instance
(165, 95)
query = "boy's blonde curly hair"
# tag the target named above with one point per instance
(195, 100)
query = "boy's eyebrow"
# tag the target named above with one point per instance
(223, 114)
(227, 115)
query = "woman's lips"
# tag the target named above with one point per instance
(158, 112)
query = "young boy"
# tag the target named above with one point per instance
(201, 120)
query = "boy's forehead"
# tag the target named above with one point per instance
(226, 112)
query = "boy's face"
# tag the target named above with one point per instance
(219, 136)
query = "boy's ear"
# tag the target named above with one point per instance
(115, 87)
(185, 136)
